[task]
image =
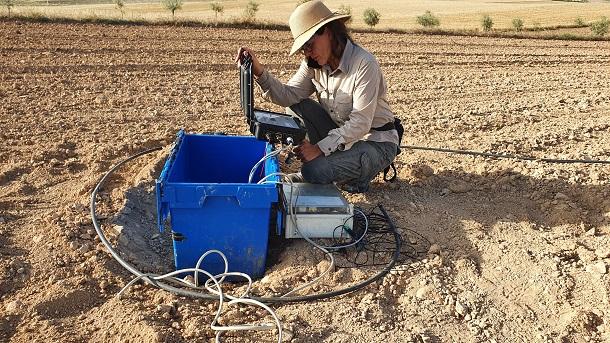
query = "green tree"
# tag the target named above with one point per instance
(251, 9)
(371, 17)
(217, 7)
(518, 24)
(9, 5)
(172, 5)
(120, 5)
(428, 20)
(600, 27)
(346, 10)
(487, 23)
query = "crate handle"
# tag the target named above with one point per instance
(249, 196)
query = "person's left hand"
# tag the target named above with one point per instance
(307, 151)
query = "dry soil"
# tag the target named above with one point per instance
(521, 248)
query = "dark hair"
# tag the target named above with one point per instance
(339, 37)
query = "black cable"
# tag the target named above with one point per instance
(353, 233)
(396, 257)
(377, 245)
(496, 155)
(186, 292)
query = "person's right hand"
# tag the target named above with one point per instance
(307, 152)
(257, 67)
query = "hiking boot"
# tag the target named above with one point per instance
(353, 187)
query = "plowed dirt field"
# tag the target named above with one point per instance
(521, 249)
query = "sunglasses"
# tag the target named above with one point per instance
(309, 44)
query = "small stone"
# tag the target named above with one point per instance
(176, 325)
(20, 270)
(424, 292)
(288, 335)
(585, 255)
(104, 285)
(561, 196)
(164, 308)
(422, 171)
(590, 232)
(322, 266)
(459, 187)
(449, 300)
(460, 308)
(84, 248)
(597, 268)
(2, 220)
(602, 252)
(117, 229)
(85, 236)
(13, 307)
(435, 249)
(37, 239)
(190, 279)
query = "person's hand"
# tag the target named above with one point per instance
(307, 151)
(257, 67)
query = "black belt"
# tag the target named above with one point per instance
(387, 127)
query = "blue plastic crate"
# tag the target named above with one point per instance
(204, 191)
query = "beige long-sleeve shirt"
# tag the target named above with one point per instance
(354, 95)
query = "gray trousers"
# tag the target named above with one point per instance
(351, 169)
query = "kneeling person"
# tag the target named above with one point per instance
(350, 129)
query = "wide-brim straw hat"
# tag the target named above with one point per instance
(306, 19)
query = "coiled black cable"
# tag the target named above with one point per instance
(189, 293)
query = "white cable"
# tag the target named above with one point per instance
(264, 180)
(156, 277)
(217, 280)
(332, 259)
(294, 220)
(224, 258)
(217, 292)
(269, 155)
(264, 326)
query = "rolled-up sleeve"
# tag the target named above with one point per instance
(299, 87)
(368, 80)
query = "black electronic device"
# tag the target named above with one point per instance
(266, 125)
